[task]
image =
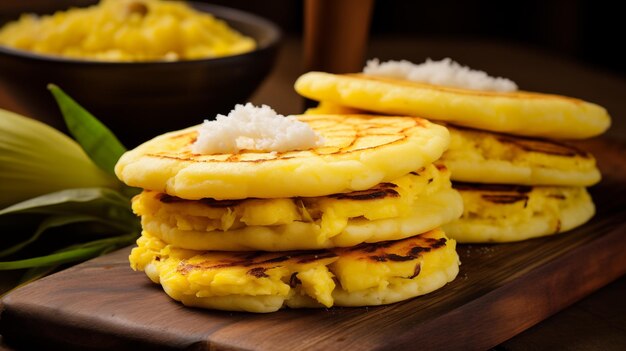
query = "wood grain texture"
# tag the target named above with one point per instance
(501, 291)
(598, 322)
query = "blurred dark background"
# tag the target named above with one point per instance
(589, 31)
(585, 30)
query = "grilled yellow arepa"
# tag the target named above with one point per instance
(415, 203)
(358, 153)
(505, 213)
(519, 113)
(367, 274)
(484, 157)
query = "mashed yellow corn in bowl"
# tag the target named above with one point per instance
(143, 67)
(127, 31)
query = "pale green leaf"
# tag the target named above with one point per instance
(96, 139)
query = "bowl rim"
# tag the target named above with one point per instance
(222, 12)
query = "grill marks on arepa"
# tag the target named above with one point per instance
(498, 193)
(258, 262)
(550, 147)
(484, 157)
(368, 274)
(346, 138)
(503, 213)
(380, 191)
(417, 202)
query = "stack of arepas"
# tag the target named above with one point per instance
(516, 180)
(353, 220)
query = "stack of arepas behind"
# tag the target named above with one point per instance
(516, 179)
(350, 220)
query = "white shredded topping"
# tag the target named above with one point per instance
(445, 72)
(248, 127)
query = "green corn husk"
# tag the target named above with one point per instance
(36, 159)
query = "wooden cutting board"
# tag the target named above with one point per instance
(501, 290)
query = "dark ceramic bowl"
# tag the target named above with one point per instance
(141, 100)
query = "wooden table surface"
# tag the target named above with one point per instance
(597, 322)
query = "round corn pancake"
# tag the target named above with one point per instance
(358, 153)
(364, 275)
(519, 113)
(415, 203)
(482, 157)
(507, 213)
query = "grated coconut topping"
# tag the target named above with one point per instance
(248, 127)
(445, 72)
